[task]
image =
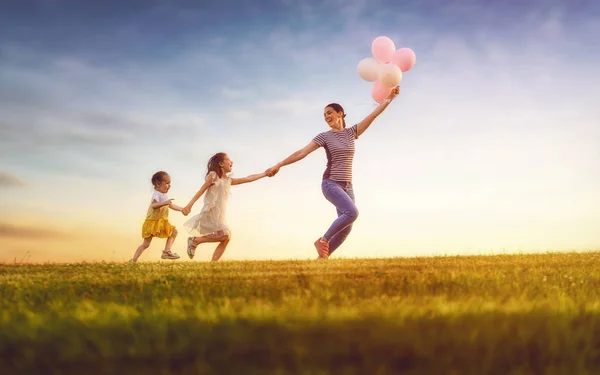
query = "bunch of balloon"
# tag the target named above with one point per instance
(386, 66)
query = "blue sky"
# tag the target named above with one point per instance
(494, 142)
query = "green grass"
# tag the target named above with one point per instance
(521, 314)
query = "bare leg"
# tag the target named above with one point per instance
(220, 250)
(170, 240)
(211, 237)
(220, 236)
(141, 248)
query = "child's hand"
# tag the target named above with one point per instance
(186, 210)
(170, 203)
(271, 171)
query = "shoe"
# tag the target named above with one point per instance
(191, 250)
(322, 247)
(169, 255)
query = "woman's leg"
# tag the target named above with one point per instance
(347, 213)
(341, 236)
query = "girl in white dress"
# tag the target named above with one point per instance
(210, 224)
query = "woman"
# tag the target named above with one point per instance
(338, 143)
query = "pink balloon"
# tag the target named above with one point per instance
(405, 58)
(383, 48)
(379, 92)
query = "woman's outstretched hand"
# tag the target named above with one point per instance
(395, 91)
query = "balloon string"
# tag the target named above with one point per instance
(363, 104)
(361, 112)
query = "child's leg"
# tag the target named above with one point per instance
(170, 241)
(220, 249)
(167, 254)
(219, 236)
(141, 248)
(211, 237)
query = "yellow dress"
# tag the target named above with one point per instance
(157, 220)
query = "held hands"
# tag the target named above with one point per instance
(176, 208)
(272, 171)
(186, 210)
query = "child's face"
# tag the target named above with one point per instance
(227, 164)
(164, 185)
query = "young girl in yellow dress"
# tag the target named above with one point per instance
(157, 218)
(210, 224)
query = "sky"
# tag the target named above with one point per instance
(492, 146)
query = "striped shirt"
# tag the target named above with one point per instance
(339, 147)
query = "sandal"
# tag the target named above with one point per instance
(191, 249)
(169, 255)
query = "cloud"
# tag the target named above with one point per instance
(235, 93)
(72, 100)
(294, 106)
(27, 244)
(491, 89)
(241, 115)
(8, 230)
(9, 180)
(78, 101)
(47, 107)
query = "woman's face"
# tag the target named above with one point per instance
(332, 118)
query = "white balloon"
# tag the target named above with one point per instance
(368, 69)
(390, 75)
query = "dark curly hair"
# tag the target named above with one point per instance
(158, 177)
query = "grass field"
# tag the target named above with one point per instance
(521, 314)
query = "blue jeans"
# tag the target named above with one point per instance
(341, 195)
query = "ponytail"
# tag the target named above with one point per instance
(338, 108)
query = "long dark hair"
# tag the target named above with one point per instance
(213, 164)
(338, 108)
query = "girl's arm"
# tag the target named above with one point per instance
(367, 121)
(209, 181)
(296, 156)
(156, 205)
(175, 207)
(251, 178)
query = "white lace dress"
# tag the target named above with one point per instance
(212, 218)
